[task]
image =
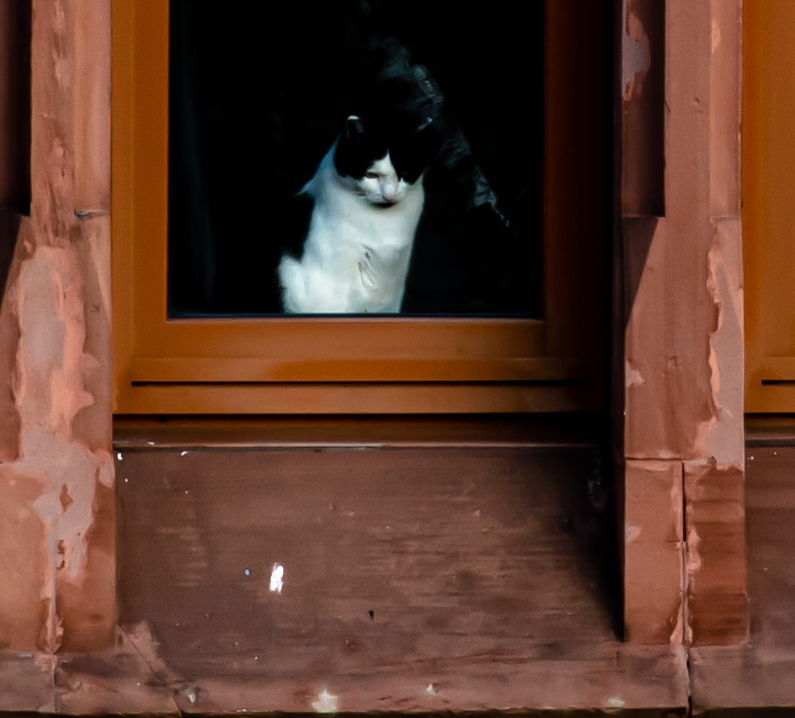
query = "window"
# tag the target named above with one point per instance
(175, 354)
(257, 99)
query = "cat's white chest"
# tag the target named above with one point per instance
(356, 255)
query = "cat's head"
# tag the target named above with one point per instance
(381, 160)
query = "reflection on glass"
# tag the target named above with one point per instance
(355, 156)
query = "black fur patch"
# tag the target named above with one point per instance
(394, 121)
(296, 216)
(360, 144)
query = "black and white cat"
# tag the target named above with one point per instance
(368, 198)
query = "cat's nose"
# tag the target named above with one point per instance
(389, 192)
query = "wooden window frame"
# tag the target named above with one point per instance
(350, 364)
(768, 208)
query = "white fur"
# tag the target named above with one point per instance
(356, 255)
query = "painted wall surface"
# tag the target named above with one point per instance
(57, 525)
(682, 244)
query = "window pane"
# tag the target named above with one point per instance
(258, 97)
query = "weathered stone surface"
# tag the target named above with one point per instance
(683, 345)
(55, 342)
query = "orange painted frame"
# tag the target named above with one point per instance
(354, 365)
(769, 205)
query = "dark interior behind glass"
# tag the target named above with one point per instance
(258, 93)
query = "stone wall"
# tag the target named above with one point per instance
(681, 244)
(57, 524)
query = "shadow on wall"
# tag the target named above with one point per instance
(402, 556)
(15, 37)
(9, 231)
(15, 185)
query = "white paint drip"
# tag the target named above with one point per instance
(326, 702)
(277, 576)
(616, 702)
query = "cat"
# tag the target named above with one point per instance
(367, 199)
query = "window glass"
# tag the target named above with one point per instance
(258, 97)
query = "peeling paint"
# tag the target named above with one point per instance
(57, 482)
(685, 330)
(51, 368)
(631, 533)
(632, 377)
(49, 392)
(693, 562)
(721, 437)
(636, 54)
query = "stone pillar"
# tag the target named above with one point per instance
(681, 237)
(57, 522)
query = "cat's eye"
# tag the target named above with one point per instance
(371, 175)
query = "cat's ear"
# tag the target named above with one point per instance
(353, 127)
